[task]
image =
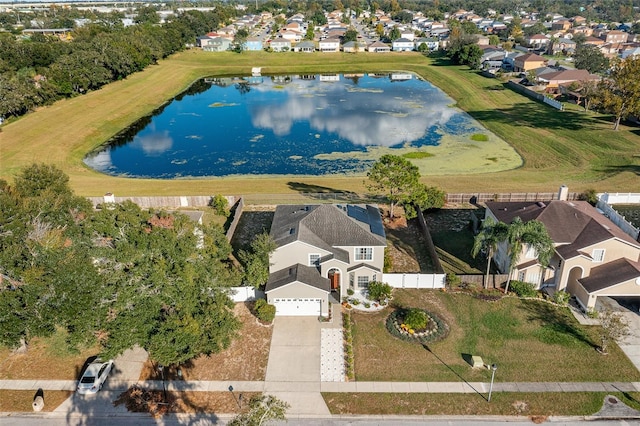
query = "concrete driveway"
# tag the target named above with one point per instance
(293, 369)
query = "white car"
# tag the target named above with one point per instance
(94, 376)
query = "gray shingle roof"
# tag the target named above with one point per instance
(304, 274)
(328, 226)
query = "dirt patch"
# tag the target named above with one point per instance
(21, 400)
(245, 359)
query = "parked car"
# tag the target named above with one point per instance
(94, 376)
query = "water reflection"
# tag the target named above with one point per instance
(278, 125)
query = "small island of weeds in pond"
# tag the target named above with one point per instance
(417, 155)
(479, 137)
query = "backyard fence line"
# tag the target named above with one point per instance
(172, 202)
(175, 202)
(495, 280)
(481, 197)
(620, 198)
(431, 248)
(534, 95)
(245, 294)
(415, 280)
(620, 221)
(236, 211)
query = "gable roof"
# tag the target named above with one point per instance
(572, 225)
(610, 274)
(305, 274)
(532, 57)
(569, 75)
(328, 226)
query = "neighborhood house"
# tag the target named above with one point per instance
(593, 257)
(323, 250)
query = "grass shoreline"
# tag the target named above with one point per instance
(573, 148)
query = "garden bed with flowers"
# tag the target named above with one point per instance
(416, 325)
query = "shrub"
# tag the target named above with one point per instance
(452, 279)
(367, 305)
(522, 289)
(264, 311)
(416, 319)
(388, 262)
(220, 205)
(379, 291)
(355, 302)
(350, 291)
(561, 298)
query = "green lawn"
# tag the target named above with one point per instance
(529, 340)
(504, 404)
(571, 147)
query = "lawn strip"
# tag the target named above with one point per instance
(45, 359)
(570, 147)
(21, 400)
(505, 404)
(530, 341)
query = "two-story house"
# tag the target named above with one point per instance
(402, 45)
(323, 249)
(593, 257)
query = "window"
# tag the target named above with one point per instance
(314, 259)
(598, 255)
(522, 275)
(364, 253)
(363, 281)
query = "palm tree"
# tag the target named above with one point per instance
(532, 234)
(487, 240)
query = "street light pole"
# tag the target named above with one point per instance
(494, 367)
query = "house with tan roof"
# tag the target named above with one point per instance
(528, 62)
(323, 249)
(593, 257)
(563, 77)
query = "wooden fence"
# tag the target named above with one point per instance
(236, 211)
(481, 197)
(495, 280)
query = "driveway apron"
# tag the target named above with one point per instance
(293, 369)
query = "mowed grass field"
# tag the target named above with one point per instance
(571, 147)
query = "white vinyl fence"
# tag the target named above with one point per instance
(243, 294)
(415, 280)
(620, 198)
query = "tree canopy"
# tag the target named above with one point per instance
(590, 58)
(399, 180)
(118, 276)
(619, 93)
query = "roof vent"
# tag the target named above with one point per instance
(292, 231)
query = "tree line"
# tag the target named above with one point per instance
(42, 69)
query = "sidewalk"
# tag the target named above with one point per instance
(342, 387)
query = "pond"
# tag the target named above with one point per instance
(319, 124)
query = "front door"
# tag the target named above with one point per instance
(334, 277)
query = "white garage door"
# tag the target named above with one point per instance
(297, 307)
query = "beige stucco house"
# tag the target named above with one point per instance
(323, 250)
(593, 257)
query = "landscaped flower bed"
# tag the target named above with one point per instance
(400, 323)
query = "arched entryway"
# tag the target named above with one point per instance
(334, 277)
(572, 282)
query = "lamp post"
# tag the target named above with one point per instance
(494, 367)
(234, 397)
